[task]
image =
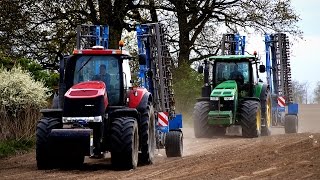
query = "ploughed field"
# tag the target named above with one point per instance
(280, 156)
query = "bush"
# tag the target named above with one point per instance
(21, 99)
(49, 77)
(187, 85)
(10, 147)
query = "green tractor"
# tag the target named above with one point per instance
(234, 100)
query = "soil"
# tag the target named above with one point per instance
(279, 156)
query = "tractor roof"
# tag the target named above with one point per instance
(232, 57)
(99, 50)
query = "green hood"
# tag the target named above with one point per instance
(225, 89)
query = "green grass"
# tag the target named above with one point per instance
(12, 147)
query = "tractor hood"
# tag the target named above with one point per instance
(86, 99)
(89, 89)
(225, 89)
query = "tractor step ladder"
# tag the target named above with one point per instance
(92, 35)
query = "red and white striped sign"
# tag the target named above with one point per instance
(163, 119)
(281, 101)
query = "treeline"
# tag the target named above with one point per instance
(305, 93)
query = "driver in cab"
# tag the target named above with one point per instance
(237, 75)
(103, 75)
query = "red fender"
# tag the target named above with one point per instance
(135, 96)
(88, 89)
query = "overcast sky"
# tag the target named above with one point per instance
(305, 61)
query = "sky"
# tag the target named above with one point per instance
(305, 59)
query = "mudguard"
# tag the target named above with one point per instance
(131, 112)
(139, 98)
(257, 90)
(251, 98)
(55, 113)
(262, 91)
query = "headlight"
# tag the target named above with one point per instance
(214, 98)
(81, 119)
(228, 98)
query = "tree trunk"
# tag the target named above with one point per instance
(153, 11)
(114, 36)
(113, 16)
(184, 41)
(184, 30)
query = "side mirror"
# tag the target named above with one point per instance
(262, 68)
(200, 69)
(142, 59)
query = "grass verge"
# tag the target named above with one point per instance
(12, 147)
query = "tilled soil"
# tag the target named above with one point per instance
(280, 156)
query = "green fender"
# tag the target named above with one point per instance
(257, 90)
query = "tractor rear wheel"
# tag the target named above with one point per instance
(250, 118)
(44, 127)
(174, 144)
(147, 135)
(200, 120)
(266, 113)
(291, 124)
(124, 143)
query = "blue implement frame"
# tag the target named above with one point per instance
(148, 36)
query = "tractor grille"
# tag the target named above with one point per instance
(83, 107)
(224, 105)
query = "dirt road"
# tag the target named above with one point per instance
(280, 156)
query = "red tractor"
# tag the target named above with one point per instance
(96, 111)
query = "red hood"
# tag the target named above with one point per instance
(89, 89)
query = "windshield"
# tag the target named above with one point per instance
(102, 68)
(238, 71)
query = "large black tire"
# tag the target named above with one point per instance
(291, 124)
(174, 144)
(43, 155)
(200, 120)
(250, 118)
(266, 112)
(124, 143)
(147, 136)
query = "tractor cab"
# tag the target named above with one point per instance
(239, 71)
(108, 66)
(92, 62)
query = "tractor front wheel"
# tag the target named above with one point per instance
(124, 143)
(200, 120)
(43, 155)
(250, 115)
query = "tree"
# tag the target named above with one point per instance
(198, 22)
(49, 26)
(299, 92)
(317, 93)
(46, 28)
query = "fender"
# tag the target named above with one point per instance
(257, 90)
(264, 88)
(138, 98)
(251, 98)
(125, 112)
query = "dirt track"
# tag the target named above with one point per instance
(279, 156)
